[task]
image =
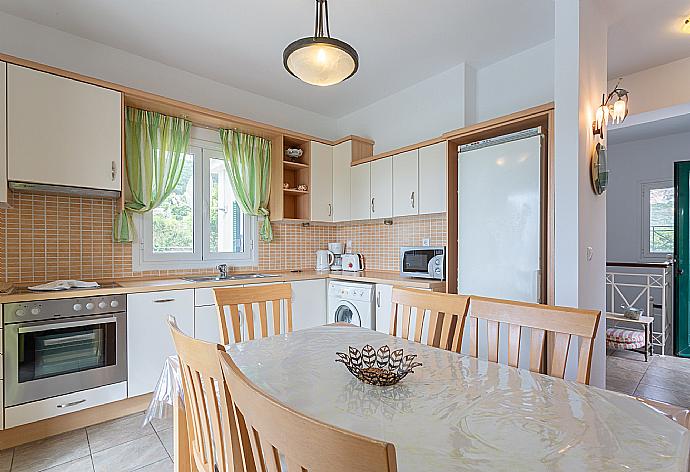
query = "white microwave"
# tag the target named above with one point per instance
(423, 262)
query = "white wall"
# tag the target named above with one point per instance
(630, 164)
(423, 111)
(580, 240)
(521, 81)
(659, 87)
(32, 41)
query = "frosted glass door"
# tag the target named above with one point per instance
(499, 223)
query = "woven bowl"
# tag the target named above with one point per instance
(381, 367)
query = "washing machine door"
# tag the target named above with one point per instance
(346, 312)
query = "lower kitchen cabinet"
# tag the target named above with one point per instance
(309, 307)
(384, 295)
(206, 326)
(148, 338)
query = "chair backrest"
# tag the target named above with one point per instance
(273, 429)
(446, 315)
(563, 322)
(240, 299)
(208, 409)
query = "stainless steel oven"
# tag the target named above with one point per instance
(55, 347)
(424, 262)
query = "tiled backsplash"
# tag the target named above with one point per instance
(47, 237)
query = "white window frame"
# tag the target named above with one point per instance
(204, 145)
(646, 187)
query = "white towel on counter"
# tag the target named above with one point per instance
(63, 285)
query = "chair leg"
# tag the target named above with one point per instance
(183, 458)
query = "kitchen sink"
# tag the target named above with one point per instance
(217, 278)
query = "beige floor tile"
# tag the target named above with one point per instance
(80, 465)
(667, 378)
(130, 456)
(6, 459)
(167, 438)
(636, 365)
(166, 465)
(161, 424)
(671, 362)
(105, 435)
(49, 452)
(678, 398)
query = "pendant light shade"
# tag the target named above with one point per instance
(321, 60)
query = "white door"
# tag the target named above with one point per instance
(321, 182)
(309, 307)
(405, 183)
(432, 179)
(342, 160)
(382, 188)
(360, 192)
(3, 132)
(499, 220)
(384, 295)
(149, 341)
(62, 132)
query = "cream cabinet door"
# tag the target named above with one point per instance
(149, 341)
(382, 188)
(384, 305)
(432, 179)
(3, 133)
(405, 183)
(360, 192)
(309, 307)
(62, 132)
(342, 160)
(321, 188)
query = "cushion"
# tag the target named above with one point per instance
(621, 335)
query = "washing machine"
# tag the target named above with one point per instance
(351, 302)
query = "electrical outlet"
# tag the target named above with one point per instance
(426, 242)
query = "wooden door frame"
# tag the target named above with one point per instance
(541, 116)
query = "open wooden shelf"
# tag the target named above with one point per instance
(294, 191)
(294, 165)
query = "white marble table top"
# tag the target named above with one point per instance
(459, 413)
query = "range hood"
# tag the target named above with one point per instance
(63, 190)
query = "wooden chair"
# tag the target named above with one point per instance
(307, 445)
(678, 414)
(210, 423)
(446, 316)
(563, 322)
(234, 297)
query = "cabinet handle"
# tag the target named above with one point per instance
(412, 199)
(113, 171)
(373, 208)
(330, 209)
(164, 300)
(378, 299)
(69, 404)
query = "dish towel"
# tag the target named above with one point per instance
(63, 285)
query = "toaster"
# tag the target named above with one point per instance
(353, 262)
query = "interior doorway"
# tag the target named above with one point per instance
(682, 259)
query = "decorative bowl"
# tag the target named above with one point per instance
(381, 367)
(294, 153)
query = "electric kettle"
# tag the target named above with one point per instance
(324, 259)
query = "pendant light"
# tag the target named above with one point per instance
(321, 60)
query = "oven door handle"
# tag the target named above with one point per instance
(69, 324)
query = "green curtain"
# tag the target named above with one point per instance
(155, 147)
(248, 164)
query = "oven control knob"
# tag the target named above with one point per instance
(20, 312)
(90, 306)
(438, 261)
(35, 311)
(77, 307)
(114, 304)
(102, 305)
(438, 271)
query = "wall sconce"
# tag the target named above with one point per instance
(613, 109)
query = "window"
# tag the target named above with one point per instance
(657, 219)
(200, 224)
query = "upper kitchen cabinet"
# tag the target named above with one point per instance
(3, 133)
(321, 182)
(360, 192)
(382, 188)
(62, 132)
(432, 178)
(406, 183)
(342, 160)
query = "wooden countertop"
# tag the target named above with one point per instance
(126, 286)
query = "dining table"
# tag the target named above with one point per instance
(456, 412)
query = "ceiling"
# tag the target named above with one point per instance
(649, 130)
(645, 33)
(400, 42)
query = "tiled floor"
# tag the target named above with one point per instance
(665, 379)
(116, 446)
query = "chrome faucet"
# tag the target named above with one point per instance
(223, 270)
